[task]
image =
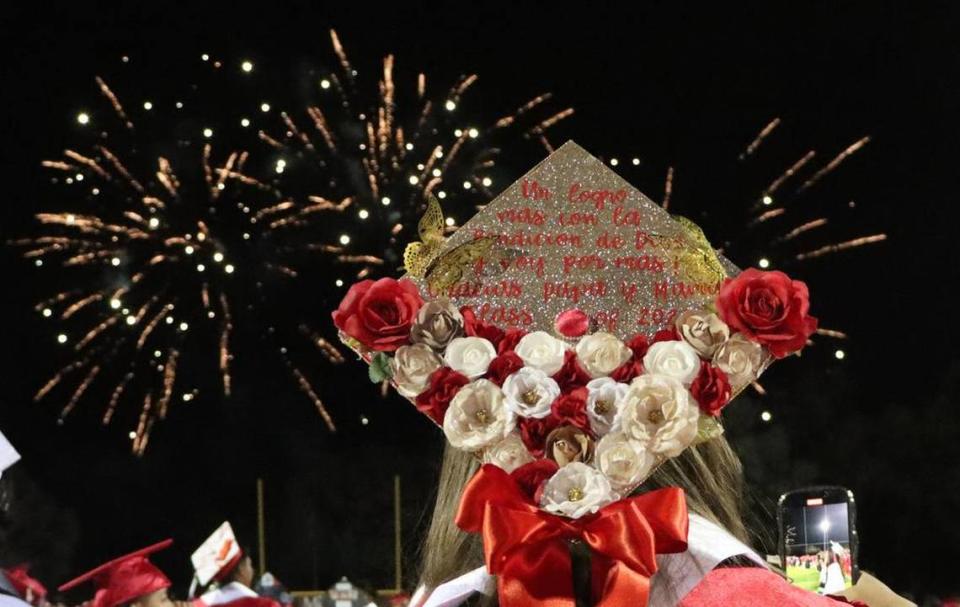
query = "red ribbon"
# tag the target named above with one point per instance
(527, 547)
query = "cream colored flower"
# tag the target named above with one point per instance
(676, 359)
(412, 366)
(601, 353)
(477, 417)
(659, 412)
(438, 322)
(604, 396)
(704, 331)
(530, 392)
(741, 359)
(508, 454)
(469, 355)
(575, 490)
(625, 461)
(541, 350)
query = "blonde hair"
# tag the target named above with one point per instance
(709, 473)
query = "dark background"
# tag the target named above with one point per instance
(674, 84)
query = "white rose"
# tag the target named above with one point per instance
(541, 350)
(626, 462)
(741, 359)
(575, 490)
(676, 359)
(530, 392)
(601, 353)
(412, 366)
(509, 454)
(659, 411)
(477, 417)
(704, 331)
(603, 401)
(469, 355)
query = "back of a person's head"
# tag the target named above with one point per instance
(709, 473)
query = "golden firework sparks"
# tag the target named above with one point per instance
(216, 215)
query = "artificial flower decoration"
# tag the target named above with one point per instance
(379, 314)
(768, 308)
(574, 362)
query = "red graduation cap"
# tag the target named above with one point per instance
(125, 579)
(21, 581)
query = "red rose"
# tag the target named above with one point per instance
(533, 432)
(572, 409)
(627, 371)
(768, 308)
(504, 366)
(444, 385)
(572, 323)
(711, 388)
(638, 345)
(531, 477)
(570, 376)
(510, 340)
(474, 327)
(379, 313)
(666, 335)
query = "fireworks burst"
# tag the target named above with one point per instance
(189, 226)
(780, 227)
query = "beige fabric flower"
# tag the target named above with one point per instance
(568, 444)
(530, 392)
(625, 461)
(508, 454)
(741, 359)
(601, 353)
(438, 322)
(412, 366)
(659, 412)
(575, 490)
(604, 396)
(704, 331)
(541, 350)
(469, 355)
(477, 417)
(676, 359)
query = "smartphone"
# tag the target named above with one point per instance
(818, 538)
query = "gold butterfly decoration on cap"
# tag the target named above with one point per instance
(441, 272)
(691, 253)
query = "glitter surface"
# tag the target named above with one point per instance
(572, 234)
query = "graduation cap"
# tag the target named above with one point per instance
(8, 455)
(573, 319)
(124, 579)
(217, 556)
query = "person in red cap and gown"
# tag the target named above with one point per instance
(30, 589)
(235, 579)
(128, 581)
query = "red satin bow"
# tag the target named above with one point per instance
(527, 549)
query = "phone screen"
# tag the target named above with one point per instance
(817, 543)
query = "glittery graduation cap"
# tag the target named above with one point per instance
(574, 325)
(125, 578)
(572, 234)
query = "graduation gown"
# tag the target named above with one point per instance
(234, 594)
(8, 594)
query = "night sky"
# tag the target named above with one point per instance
(673, 85)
